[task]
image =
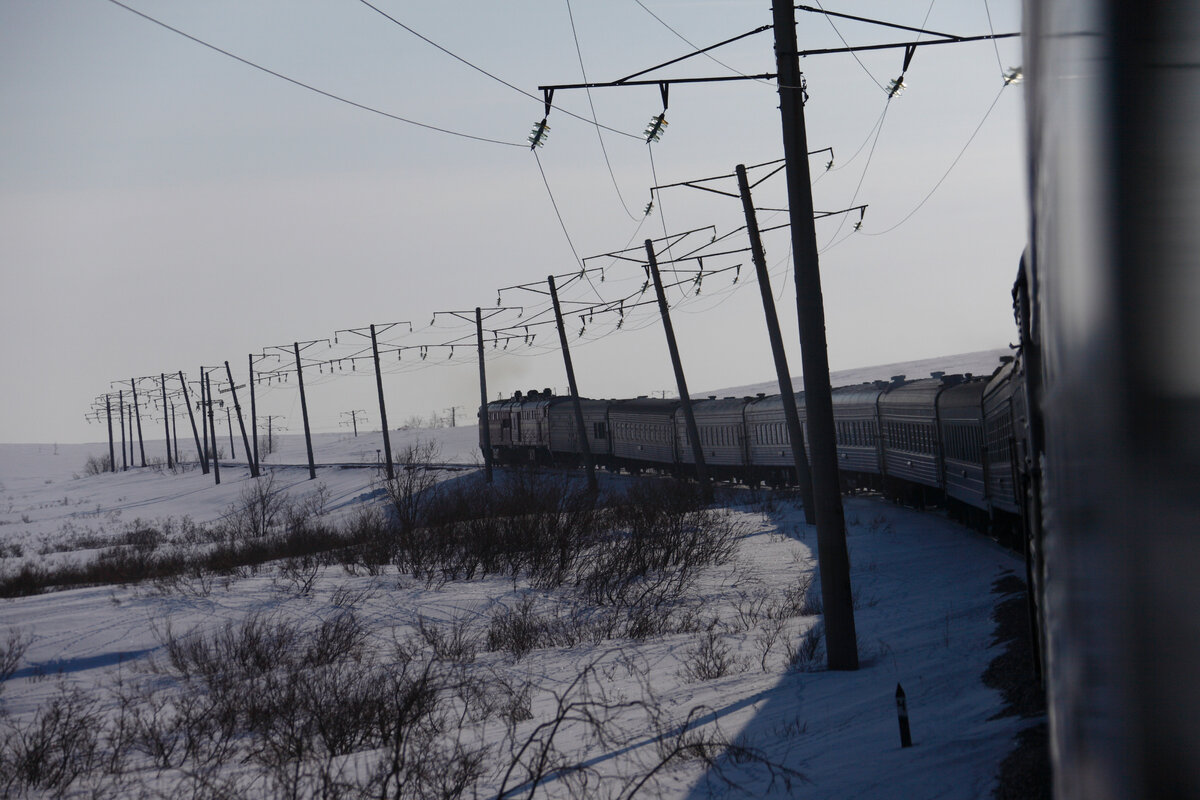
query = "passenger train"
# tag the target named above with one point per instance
(952, 439)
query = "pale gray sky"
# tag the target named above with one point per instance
(163, 206)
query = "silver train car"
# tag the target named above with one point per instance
(946, 438)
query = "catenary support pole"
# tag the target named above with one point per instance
(484, 423)
(390, 471)
(162, 382)
(782, 373)
(137, 413)
(832, 558)
(121, 413)
(241, 424)
(112, 453)
(229, 427)
(253, 415)
(187, 401)
(175, 432)
(212, 425)
(312, 465)
(581, 429)
(204, 418)
(680, 382)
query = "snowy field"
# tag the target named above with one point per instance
(723, 693)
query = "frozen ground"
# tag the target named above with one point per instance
(924, 598)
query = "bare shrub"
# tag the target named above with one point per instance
(55, 748)
(709, 659)
(260, 509)
(808, 654)
(12, 650)
(97, 465)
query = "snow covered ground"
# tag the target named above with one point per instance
(924, 596)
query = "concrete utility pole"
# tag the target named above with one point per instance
(192, 416)
(112, 453)
(680, 381)
(121, 414)
(585, 446)
(833, 559)
(383, 423)
(137, 413)
(212, 425)
(312, 465)
(782, 373)
(162, 381)
(241, 424)
(484, 423)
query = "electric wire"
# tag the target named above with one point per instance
(483, 71)
(829, 19)
(310, 87)
(992, 30)
(698, 49)
(592, 106)
(862, 177)
(949, 169)
(558, 214)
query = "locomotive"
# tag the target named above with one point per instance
(955, 439)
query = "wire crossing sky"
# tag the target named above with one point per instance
(167, 204)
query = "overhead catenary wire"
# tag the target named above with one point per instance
(592, 106)
(310, 87)
(949, 169)
(496, 78)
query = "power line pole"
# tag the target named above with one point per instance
(121, 414)
(833, 559)
(175, 432)
(383, 423)
(484, 423)
(241, 424)
(138, 415)
(112, 456)
(680, 382)
(585, 446)
(204, 418)
(312, 465)
(212, 424)
(187, 401)
(782, 373)
(162, 381)
(354, 415)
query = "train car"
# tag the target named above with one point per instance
(531, 424)
(564, 430)
(722, 428)
(1003, 420)
(768, 444)
(643, 433)
(912, 462)
(500, 428)
(960, 417)
(856, 423)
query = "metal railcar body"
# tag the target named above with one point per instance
(643, 432)
(722, 428)
(856, 422)
(564, 429)
(768, 442)
(911, 445)
(960, 415)
(1003, 419)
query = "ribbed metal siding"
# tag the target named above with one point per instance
(564, 436)
(857, 427)
(644, 430)
(961, 411)
(908, 422)
(722, 428)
